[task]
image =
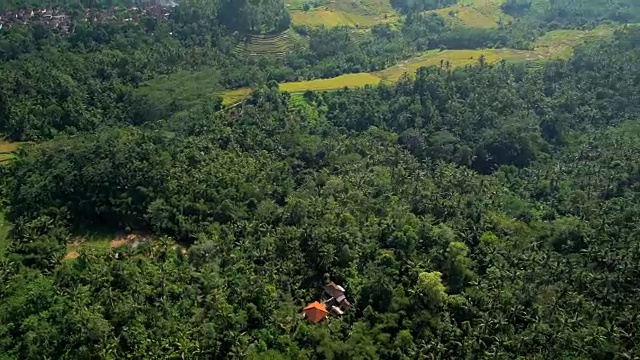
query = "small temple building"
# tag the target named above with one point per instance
(333, 301)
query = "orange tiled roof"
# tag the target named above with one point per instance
(315, 312)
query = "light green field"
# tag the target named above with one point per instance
(231, 97)
(348, 80)
(559, 44)
(268, 45)
(362, 7)
(7, 149)
(554, 45)
(454, 58)
(183, 89)
(351, 13)
(331, 18)
(475, 14)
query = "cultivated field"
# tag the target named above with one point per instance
(553, 45)
(475, 14)
(559, 44)
(268, 45)
(329, 18)
(7, 149)
(352, 13)
(231, 97)
(453, 59)
(349, 80)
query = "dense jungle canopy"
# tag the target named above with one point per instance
(474, 212)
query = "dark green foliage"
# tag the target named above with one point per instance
(534, 260)
(258, 16)
(414, 6)
(568, 13)
(484, 212)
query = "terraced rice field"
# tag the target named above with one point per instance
(454, 58)
(553, 45)
(268, 45)
(559, 44)
(475, 14)
(351, 13)
(7, 149)
(339, 82)
(330, 18)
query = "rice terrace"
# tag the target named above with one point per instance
(475, 13)
(7, 149)
(359, 13)
(557, 44)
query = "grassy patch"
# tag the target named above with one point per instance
(362, 7)
(183, 89)
(559, 44)
(231, 97)
(485, 14)
(349, 80)
(329, 18)
(7, 149)
(554, 45)
(455, 58)
(104, 240)
(352, 13)
(92, 240)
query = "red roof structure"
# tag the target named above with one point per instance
(315, 312)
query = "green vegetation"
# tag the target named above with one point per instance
(268, 45)
(413, 6)
(454, 198)
(7, 149)
(570, 13)
(191, 179)
(262, 17)
(475, 14)
(361, 13)
(330, 17)
(4, 236)
(557, 44)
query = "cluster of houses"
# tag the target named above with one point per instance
(62, 21)
(54, 18)
(333, 301)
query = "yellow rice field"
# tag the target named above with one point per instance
(553, 45)
(330, 18)
(339, 82)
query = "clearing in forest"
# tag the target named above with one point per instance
(453, 59)
(352, 13)
(329, 18)
(7, 149)
(559, 44)
(104, 242)
(554, 45)
(268, 45)
(231, 97)
(339, 82)
(484, 14)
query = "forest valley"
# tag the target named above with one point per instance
(488, 211)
